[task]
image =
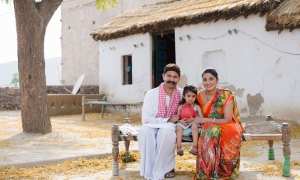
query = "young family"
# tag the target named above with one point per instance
(210, 114)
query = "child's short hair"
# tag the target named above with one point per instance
(187, 89)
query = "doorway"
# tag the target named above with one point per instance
(163, 54)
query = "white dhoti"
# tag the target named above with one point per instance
(157, 138)
(157, 148)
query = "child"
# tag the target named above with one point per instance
(188, 110)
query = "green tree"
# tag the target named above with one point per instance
(32, 18)
(15, 80)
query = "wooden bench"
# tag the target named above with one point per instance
(92, 101)
(284, 136)
(103, 102)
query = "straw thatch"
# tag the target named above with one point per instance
(166, 15)
(287, 15)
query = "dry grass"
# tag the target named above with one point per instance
(169, 14)
(5, 144)
(295, 129)
(248, 148)
(94, 126)
(83, 166)
(287, 15)
(274, 168)
(187, 162)
(185, 165)
(67, 168)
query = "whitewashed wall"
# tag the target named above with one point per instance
(79, 51)
(249, 61)
(110, 68)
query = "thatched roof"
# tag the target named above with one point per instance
(175, 13)
(287, 15)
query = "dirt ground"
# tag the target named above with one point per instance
(71, 137)
(60, 154)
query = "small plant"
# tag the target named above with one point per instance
(15, 80)
(127, 157)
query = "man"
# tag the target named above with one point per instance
(157, 136)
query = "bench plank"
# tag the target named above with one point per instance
(263, 136)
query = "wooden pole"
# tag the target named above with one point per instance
(127, 144)
(271, 155)
(115, 149)
(286, 138)
(83, 108)
(102, 111)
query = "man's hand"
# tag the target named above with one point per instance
(174, 119)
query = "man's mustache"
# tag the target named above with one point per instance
(171, 82)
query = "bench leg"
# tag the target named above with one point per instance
(127, 144)
(102, 110)
(286, 168)
(271, 155)
(115, 150)
(82, 110)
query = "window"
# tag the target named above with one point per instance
(127, 69)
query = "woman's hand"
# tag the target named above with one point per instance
(198, 120)
(201, 120)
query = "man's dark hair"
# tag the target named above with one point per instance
(172, 67)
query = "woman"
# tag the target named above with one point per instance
(220, 133)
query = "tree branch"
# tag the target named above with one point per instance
(25, 5)
(47, 8)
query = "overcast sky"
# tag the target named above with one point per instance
(8, 37)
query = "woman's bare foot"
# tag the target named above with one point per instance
(194, 150)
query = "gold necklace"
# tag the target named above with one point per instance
(207, 98)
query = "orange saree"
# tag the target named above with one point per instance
(219, 144)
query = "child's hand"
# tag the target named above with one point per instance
(189, 120)
(183, 122)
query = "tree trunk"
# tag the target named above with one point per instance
(31, 22)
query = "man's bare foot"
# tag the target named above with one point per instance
(170, 174)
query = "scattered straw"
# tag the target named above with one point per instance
(274, 168)
(5, 144)
(67, 168)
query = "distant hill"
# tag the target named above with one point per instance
(53, 74)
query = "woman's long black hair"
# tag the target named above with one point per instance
(212, 72)
(187, 89)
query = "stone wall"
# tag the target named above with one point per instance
(68, 89)
(67, 104)
(10, 97)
